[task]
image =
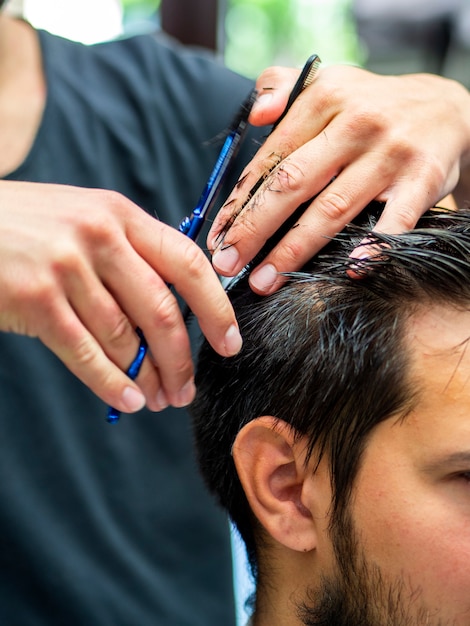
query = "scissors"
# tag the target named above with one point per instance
(191, 226)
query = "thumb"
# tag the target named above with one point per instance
(274, 86)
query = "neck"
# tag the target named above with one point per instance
(22, 91)
(16, 41)
(276, 609)
(281, 589)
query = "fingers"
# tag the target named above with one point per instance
(81, 269)
(159, 317)
(150, 303)
(288, 185)
(272, 171)
(84, 356)
(113, 333)
(97, 340)
(74, 315)
(273, 86)
(136, 267)
(289, 136)
(349, 138)
(292, 183)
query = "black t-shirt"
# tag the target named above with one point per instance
(110, 525)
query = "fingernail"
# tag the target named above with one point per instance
(186, 394)
(226, 260)
(162, 400)
(362, 251)
(264, 99)
(133, 400)
(264, 277)
(233, 341)
(360, 259)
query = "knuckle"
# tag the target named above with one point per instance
(42, 293)
(194, 260)
(376, 128)
(434, 169)
(366, 121)
(65, 261)
(167, 314)
(181, 369)
(326, 93)
(111, 200)
(402, 150)
(292, 253)
(288, 176)
(336, 91)
(406, 216)
(83, 348)
(429, 176)
(333, 206)
(331, 95)
(433, 179)
(99, 226)
(119, 331)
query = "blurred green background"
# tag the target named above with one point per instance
(259, 33)
(285, 32)
(254, 34)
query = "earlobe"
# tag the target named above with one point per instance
(272, 470)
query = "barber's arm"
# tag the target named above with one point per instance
(401, 139)
(81, 269)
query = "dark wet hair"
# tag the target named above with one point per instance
(326, 353)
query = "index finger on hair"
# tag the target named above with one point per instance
(303, 123)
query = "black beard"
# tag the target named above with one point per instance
(358, 594)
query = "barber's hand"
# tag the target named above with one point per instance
(399, 139)
(81, 269)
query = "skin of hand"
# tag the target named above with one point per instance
(349, 138)
(80, 269)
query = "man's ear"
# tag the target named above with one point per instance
(271, 466)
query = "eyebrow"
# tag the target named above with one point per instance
(458, 459)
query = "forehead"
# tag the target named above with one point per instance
(437, 341)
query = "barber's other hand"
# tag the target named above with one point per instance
(81, 269)
(399, 139)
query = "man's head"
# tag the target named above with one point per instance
(339, 438)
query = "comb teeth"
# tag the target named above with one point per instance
(311, 73)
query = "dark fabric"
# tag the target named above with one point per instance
(110, 525)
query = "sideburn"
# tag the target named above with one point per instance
(358, 594)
